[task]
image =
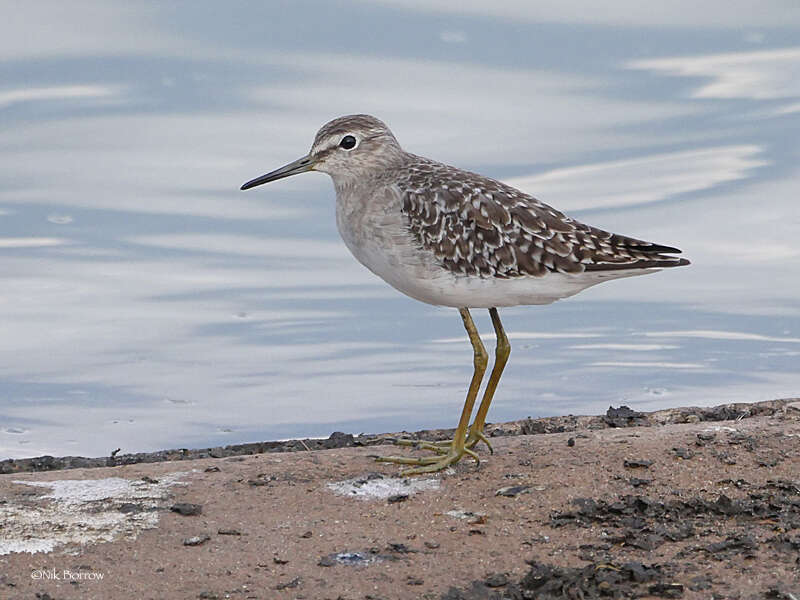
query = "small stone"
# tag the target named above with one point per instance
(666, 590)
(637, 463)
(229, 532)
(187, 509)
(638, 482)
(684, 453)
(432, 545)
(307, 535)
(213, 469)
(512, 491)
(197, 540)
(395, 498)
(706, 436)
(208, 596)
(496, 580)
(279, 561)
(147, 479)
(571, 442)
(414, 580)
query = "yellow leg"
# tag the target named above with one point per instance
(501, 353)
(457, 447)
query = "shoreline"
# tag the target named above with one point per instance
(614, 418)
(687, 503)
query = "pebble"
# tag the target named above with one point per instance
(496, 580)
(196, 540)
(638, 463)
(512, 491)
(187, 509)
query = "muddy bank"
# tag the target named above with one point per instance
(685, 503)
(614, 417)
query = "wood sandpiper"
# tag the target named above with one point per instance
(453, 238)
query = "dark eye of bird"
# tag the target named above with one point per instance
(348, 142)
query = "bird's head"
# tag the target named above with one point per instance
(347, 148)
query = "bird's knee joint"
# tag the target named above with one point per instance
(481, 359)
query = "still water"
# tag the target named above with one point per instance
(147, 303)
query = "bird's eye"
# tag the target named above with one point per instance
(348, 142)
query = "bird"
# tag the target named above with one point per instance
(450, 237)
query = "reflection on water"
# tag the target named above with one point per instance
(147, 303)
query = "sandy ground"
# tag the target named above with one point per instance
(626, 505)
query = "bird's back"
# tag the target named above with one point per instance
(480, 227)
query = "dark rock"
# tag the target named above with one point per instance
(187, 509)
(637, 463)
(512, 491)
(496, 580)
(394, 499)
(229, 532)
(432, 545)
(571, 442)
(666, 590)
(414, 580)
(784, 485)
(306, 535)
(147, 479)
(638, 482)
(129, 508)
(213, 469)
(529, 427)
(624, 417)
(339, 439)
(704, 437)
(279, 561)
(399, 548)
(684, 453)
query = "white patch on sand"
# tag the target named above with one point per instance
(382, 488)
(81, 511)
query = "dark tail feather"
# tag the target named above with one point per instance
(657, 262)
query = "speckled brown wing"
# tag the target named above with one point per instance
(481, 227)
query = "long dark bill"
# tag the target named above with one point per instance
(301, 165)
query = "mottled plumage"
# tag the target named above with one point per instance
(477, 226)
(454, 238)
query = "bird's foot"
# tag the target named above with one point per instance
(430, 464)
(476, 436)
(443, 447)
